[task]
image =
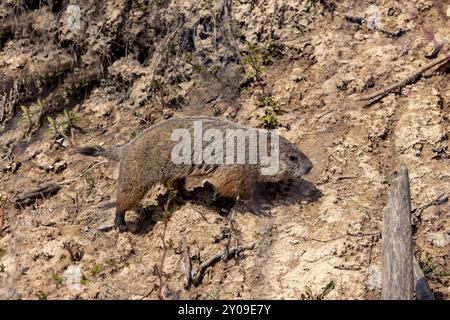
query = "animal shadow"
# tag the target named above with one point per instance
(268, 195)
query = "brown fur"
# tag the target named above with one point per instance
(146, 161)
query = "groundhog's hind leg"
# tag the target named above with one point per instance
(257, 204)
(127, 200)
(119, 220)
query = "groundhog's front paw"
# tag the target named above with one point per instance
(257, 208)
(120, 224)
(122, 227)
(253, 206)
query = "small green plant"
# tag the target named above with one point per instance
(426, 263)
(166, 216)
(54, 127)
(198, 68)
(188, 57)
(67, 120)
(52, 78)
(58, 279)
(95, 271)
(309, 295)
(79, 89)
(273, 109)
(173, 193)
(42, 295)
(268, 102)
(270, 120)
(61, 125)
(111, 262)
(170, 243)
(26, 117)
(214, 69)
(33, 118)
(90, 181)
(84, 280)
(254, 59)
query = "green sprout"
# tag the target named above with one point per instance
(58, 279)
(309, 295)
(84, 280)
(42, 295)
(95, 271)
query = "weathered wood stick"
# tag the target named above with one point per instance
(29, 197)
(397, 251)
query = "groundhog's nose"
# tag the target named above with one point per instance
(307, 166)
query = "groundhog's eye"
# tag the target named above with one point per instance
(293, 158)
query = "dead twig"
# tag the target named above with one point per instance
(2, 211)
(167, 216)
(187, 264)
(347, 234)
(224, 255)
(346, 178)
(201, 214)
(89, 168)
(162, 48)
(400, 84)
(442, 199)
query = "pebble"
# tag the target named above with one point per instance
(439, 239)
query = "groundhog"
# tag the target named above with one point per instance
(204, 149)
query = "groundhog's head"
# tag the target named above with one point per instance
(293, 163)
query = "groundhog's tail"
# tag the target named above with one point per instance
(98, 152)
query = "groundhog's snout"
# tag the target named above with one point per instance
(306, 166)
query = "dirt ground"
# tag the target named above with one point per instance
(298, 65)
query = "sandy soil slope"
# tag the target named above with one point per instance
(298, 65)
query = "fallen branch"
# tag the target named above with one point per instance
(400, 84)
(224, 255)
(48, 189)
(29, 197)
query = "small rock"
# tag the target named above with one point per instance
(102, 109)
(75, 249)
(167, 113)
(231, 74)
(373, 278)
(42, 161)
(12, 168)
(72, 277)
(105, 227)
(439, 239)
(297, 75)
